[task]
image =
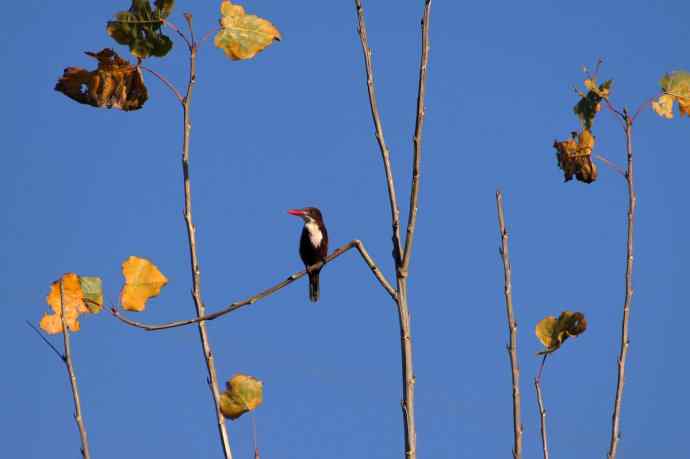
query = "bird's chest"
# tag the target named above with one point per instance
(314, 234)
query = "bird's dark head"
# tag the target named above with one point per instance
(308, 214)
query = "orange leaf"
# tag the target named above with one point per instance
(243, 35)
(143, 280)
(72, 301)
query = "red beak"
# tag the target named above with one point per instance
(297, 212)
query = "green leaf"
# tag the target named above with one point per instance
(243, 393)
(140, 28)
(553, 332)
(590, 104)
(92, 288)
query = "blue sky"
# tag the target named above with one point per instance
(86, 188)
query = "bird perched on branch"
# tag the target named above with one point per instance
(313, 245)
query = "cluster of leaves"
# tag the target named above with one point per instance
(69, 297)
(552, 331)
(116, 83)
(77, 295)
(676, 88)
(574, 155)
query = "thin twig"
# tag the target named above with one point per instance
(268, 292)
(45, 340)
(615, 167)
(177, 31)
(542, 410)
(194, 259)
(625, 341)
(643, 105)
(166, 82)
(417, 140)
(208, 34)
(385, 152)
(512, 329)
(78, 417)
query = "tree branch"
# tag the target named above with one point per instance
(269, 291)
(385, 152)
(632, 205)
(166, 82)
(542, 410)
(417, 140)
(512, 329)
(194, 259)
(67, 359)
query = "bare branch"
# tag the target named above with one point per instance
(417, 140)
(166, 82)
(385, 152)
(78, 418)
(45, 340)
(625, 341)
(512, 329)
(269, 291)
(194, 259)
(542, 410)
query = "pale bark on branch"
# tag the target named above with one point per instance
(512, 329)
(625, 340)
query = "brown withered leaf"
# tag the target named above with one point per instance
(575, 157)
(553, 332)
(114, 84)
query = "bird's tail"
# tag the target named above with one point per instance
(314, 286)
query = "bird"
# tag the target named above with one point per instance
(313, 245)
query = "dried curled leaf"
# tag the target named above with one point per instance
(242, 393)
(243, 35)
(676, 87)
(575, 157)
(143, 280)
(140, 28)
(115, 84)
(71, 300)
(590, 104)
(553, 332)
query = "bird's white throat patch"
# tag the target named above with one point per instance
(315, 235)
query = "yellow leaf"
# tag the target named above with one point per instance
(664, 106)
(72, 301)
(242, 393)
(143, 280)
(553, 332)
(243, 35)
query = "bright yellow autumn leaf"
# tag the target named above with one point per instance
(552, 332)
(664, 106)
(243, 35)
(72, 301)
(242, 393)
(143, 280)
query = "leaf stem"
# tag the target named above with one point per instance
(512, 329)
(166, 82)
